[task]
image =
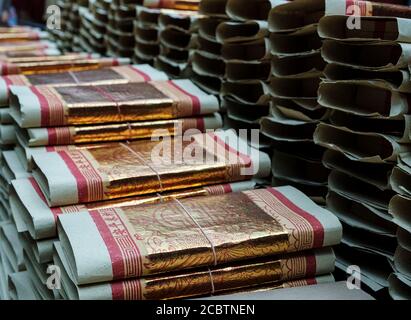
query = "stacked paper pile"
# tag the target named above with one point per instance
(120, 36)
(94, 21)
(176, 106)
(297, 67)
(116, 226)
(178, 40)
(58, 34)
(72, 26)
(367, 88)
(232, 60)
(107, 247)
(213, 13)
(146, 35)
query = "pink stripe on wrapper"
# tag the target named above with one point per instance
(145, 76)
(117, 290)
(227, 188)
(317, 227)
(113, 248)
(245, 158)
(82, 185)
(311, 265)
(200, 124)
(44, 107)
(194, 99)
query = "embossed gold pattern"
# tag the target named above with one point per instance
(219, 280)
(234, 228)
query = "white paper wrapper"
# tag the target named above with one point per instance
(281, 128)
(295, 15)
(38, 276)
(5, 117)
(358, 215)
(356, 190)
(11, 246)
(244, 10)
(377, 174)
(399, 287)
(12, 167)
(380, 148)
(368, 56)
(21, 287)
(233, 31)
(7, 134)
(363, 98)
(399, 208)
(393, 29)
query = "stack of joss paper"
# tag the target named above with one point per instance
(233, 59)
(297, 67)
(68, 111)
(135, 180)
(146, 35)
(93, 27)
(243, 241)
(178, 40)
(36, 69)
(66, 36)
(120, 36)
(366, 88)
(172, 206)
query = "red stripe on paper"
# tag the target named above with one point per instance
(316, 225)
(144, 75)
(246, 159)
(311, 265)
(82, 186)
(44, 107)
(52, 136)
(200, 124)
(194, 99)
(227, 188)
(117, 290)
(116, 256)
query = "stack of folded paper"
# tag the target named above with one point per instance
(120, 36)
(20, 34)
(239, 59)
(297, 67)
(93, 26)
(40, 70)
(189, 247)
(367, 88)
(71, 23)
(135, 178)
(178, 38)
(138, 233)
(146, 34)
